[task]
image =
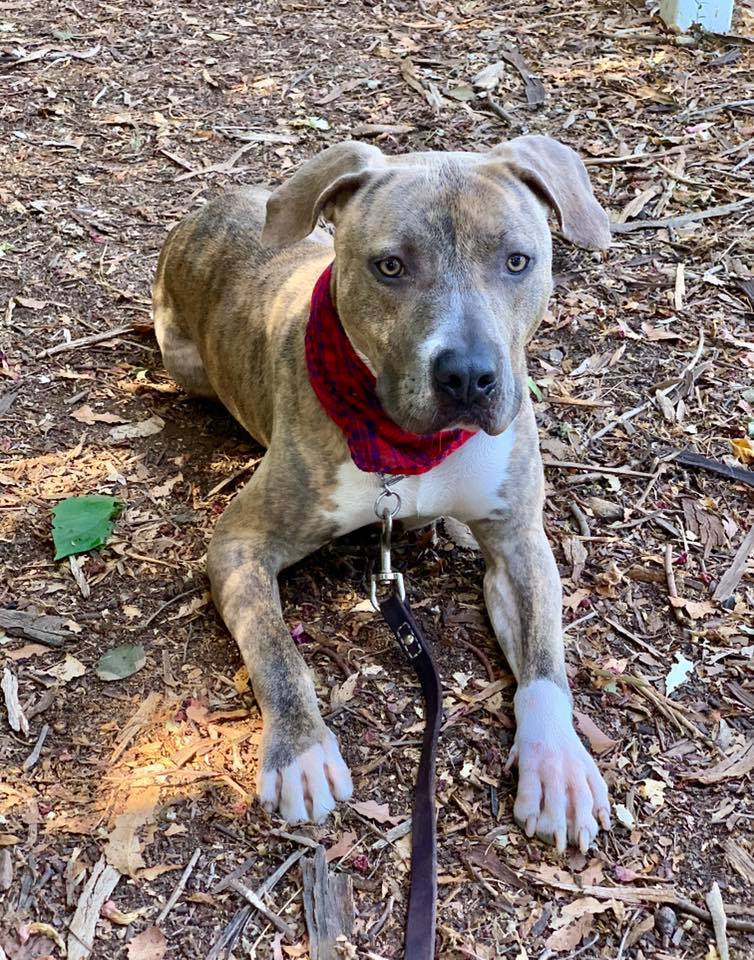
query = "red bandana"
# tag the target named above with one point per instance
(347, 390)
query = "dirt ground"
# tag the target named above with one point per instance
(117, 118)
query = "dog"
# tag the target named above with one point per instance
(438, 275)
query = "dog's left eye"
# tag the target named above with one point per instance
(391, 267)
(517, 262)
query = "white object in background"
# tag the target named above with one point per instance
(712, 15)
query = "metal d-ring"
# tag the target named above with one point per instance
(386, 574)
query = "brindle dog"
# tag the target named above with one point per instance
(442, 272)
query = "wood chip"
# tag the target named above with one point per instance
(328, 908)
(714, 901)
(98, 889)
(16, 717)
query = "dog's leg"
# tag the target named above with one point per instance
(301, 771)
(561, 793)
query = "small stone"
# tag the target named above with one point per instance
(665, 921)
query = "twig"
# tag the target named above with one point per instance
(236, 874)
(572, 465)
(179, 886)
(630, 414)
(670, 578)
(238, 924)
(31, 761)
(631, 158)
(374, 930)
(715, 108)
(186, 593)
(500, 111)
(729, 580)
(481, 656)
(624, 938)
(680, 221)
(296, 838)
(277, 875)
(581, 521)
(288, 932)
(714, 902)
(226, 166)
(234, 476)
(85, 341)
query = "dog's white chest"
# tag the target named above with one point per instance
(468, 485)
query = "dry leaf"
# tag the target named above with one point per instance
(380, 812)
(341, 847)
(148, 945)
(743, 448)
(571, 935)
(67, 669)
(151, 873)
(736, 766)
(124, 849)
(241, 680)
(85, 414)
(342, 693)
(26, 651)
(696, 609)
(144, 428)
(598, 739)
(654, 791)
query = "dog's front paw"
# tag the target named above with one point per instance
(307, 787)
(561, 793)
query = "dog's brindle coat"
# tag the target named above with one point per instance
(231, 303)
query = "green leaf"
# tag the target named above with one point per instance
(535, 389)
(120, 662)
(82, 523)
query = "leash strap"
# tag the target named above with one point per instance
(422, 898)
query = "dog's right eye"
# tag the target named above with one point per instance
(390, 267)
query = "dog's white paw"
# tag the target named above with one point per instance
(561, 793)
(308, 787)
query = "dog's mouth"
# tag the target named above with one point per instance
(439, 418)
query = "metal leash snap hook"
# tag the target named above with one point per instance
(386, 574)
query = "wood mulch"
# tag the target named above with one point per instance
(117, 118)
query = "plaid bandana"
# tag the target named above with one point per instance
(346, 389)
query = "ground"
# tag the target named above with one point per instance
(118, 117)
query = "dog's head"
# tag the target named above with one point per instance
(443, 266)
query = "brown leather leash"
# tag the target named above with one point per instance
(419, 941)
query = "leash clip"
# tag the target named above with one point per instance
(386, 574)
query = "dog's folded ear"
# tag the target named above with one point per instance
(557, 174)
(327, 179)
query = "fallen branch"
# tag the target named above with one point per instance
(619, 471)
(251, 897)
(683, 219)
(179, 887)
(85, 341)
(639, 895)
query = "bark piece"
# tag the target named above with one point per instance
(328, 907)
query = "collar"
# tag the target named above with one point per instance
(346, 388)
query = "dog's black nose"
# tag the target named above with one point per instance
(466, 377)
